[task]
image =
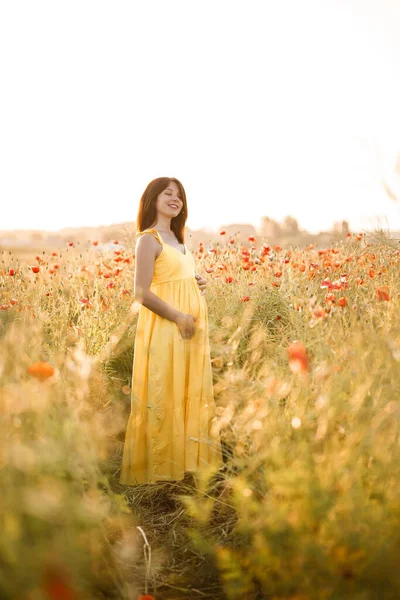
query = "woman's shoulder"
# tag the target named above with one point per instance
(149, 230)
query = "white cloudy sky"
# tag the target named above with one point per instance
(258, 107)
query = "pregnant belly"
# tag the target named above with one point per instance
(184, 296)
(197, 303)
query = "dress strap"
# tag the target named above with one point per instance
(153, 232)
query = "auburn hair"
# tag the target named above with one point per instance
(147, 212)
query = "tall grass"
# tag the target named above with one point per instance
(306, 505)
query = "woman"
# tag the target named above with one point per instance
(171, 429)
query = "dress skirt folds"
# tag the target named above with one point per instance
(172, 425)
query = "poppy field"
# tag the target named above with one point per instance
(305, 348)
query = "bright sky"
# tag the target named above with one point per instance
(260, 108)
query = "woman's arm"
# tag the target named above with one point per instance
(145, 257)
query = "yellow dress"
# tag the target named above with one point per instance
(171, 428)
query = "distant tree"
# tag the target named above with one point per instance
(290, 225)
(270, 228)
(341, 228)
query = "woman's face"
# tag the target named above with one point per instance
(170, 196)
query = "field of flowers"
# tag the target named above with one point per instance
(305, 347)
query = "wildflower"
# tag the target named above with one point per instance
(339, 284)
(56, 584)
(245, 298)
(104, 303)
(41, 370)
(86, 302)
(251, 238)
(298, 359)
(95, 243)
(319, 312)
(383, 293)
(35, 269)
(330, 298)
(222, 232)
(228, 279)
(342, 302)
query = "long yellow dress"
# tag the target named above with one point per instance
(172, 425)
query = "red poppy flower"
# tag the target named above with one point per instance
(383, 293)
(330, 298)
(56, 584)
(319, 312)
(41, 370)
(298, 358)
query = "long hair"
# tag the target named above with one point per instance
(147, 212)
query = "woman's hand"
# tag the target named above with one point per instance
(201, 283)
(186, 325)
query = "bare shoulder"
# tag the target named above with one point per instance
(147, 245)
